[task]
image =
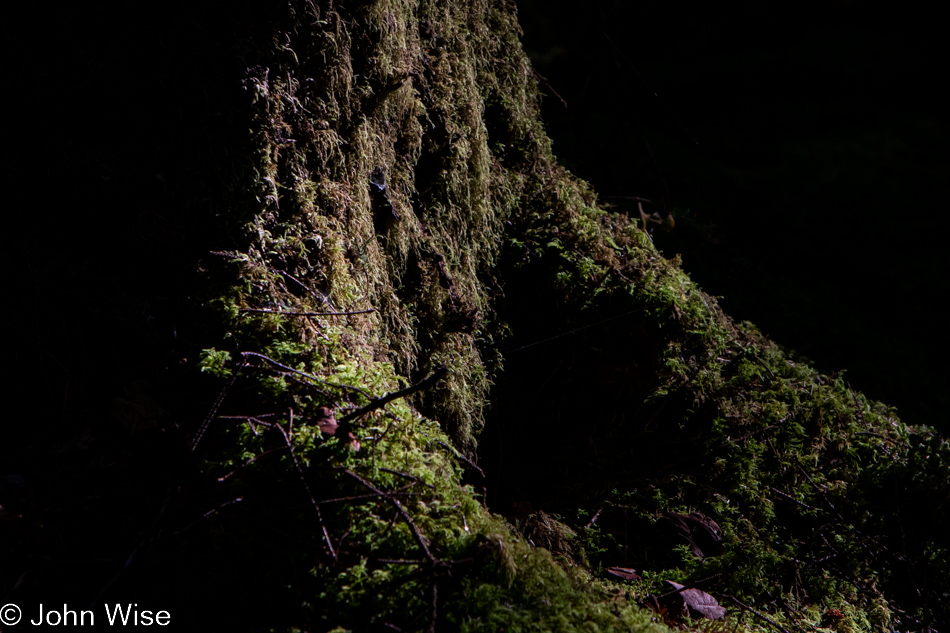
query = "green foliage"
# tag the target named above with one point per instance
(215, 362)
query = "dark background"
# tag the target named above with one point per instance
(803, 150)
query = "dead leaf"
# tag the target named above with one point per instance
(326, 422)
(623, 572)
(699, 602)
(831, 617)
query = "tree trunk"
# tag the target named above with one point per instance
(311, 264)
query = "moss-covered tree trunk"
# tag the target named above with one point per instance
(287, 213)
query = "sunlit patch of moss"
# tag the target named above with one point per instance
(793, 464)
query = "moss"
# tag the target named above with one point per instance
(403, 213)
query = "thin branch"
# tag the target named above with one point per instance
(435, 607)
(245, 465)
(378, 403)
(400, 561)
(593, 520)
(250, 419)
(313, 293)
(313, 501)
(400, 493)
(305, 314)
(309, 384)
(303, 373)
(462, 458)
(756, 613)
(412, 478)
(551, 88)
(791, 498)
(214, 511)
(215, 407)
(824, 496)
(628, 198)
(244, 258)
(402, 511)
(231, 255)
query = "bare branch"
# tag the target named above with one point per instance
(462, 458)
(378, 403)
(313, 501)
(402, 511)
(756, 613)
(303, 373)
(305, 314)
(215, 407)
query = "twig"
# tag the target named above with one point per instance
(215, 407)
(313, 501)
(309, 384)
(754, 612)
(250, 419)
(402, 511)
(791, 498)
(824, 496)
(846, 524)
(544, 79)
(325, 299)
(462, 458)
(151, 538)
(435, 606)
(214, 511)
(244, 258)
(306, 314)
(412, 478)
(231, 255)
(574, 331)
(691, 585)
(303, 373)
(377, 403)
(400, 493)
(628, 198)
(593, 520)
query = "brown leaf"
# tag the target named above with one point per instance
(623, 572)
(326, 421)
(831, 617)
(699, 602)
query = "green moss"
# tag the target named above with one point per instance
(481, 242)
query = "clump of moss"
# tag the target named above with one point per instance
(687, 410)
